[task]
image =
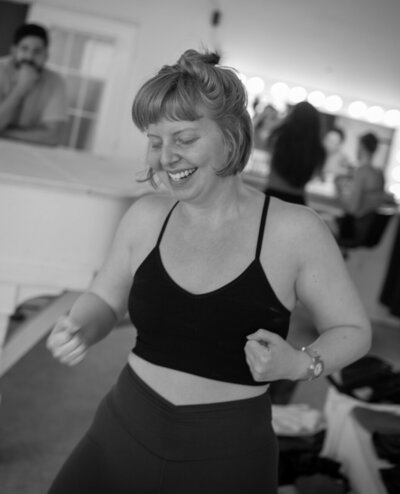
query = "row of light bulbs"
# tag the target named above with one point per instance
(280, 93)
(332, 103)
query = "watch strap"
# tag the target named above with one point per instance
(316, 367)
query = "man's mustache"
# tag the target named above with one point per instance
(31, 63)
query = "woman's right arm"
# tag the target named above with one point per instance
(96, 312)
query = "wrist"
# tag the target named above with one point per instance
(315, 367)
(302, 365)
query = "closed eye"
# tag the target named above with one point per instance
(186, 142)
(155, 146)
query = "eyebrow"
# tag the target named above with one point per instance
(175, 133)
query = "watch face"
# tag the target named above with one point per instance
(318, 369)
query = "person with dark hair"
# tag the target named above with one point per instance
(209, 271)
(360, 193)
(296, 153)
(33, 100)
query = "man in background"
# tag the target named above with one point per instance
(33, 102)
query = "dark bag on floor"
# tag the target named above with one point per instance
(299, 459)
(387, 446)
(319, 483)
(391, 479)
(371, 374)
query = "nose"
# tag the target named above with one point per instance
(169, 155)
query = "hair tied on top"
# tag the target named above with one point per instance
(190, 60)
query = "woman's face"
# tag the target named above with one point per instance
(332, 142)
(186, 155)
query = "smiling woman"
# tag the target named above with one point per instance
(210, 273)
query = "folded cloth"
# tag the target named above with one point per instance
(347, 442)
(296, 419)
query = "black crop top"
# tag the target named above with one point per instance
(203, 334)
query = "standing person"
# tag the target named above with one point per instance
(296, 153)
(33, 102)
(361, 193)
(210, 273)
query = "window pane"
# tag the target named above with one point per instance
(85, 135)
(97, 56)
(75, 89)
(66, 140)
(59, 42)
(77, 50)
(92, 98)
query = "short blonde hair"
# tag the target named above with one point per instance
(194, 84)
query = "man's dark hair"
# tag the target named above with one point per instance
(370, 142)
(31, 30)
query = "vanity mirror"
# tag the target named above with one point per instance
(353, 117)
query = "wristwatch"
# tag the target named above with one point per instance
(316, 367)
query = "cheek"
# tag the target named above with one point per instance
(153, 160)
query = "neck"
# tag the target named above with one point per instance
(224, 203)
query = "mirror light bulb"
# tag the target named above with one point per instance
(392, 118)
(279, 90)
(357, 109)
(255, 85)
(375, 114)
(297, 94)
(333, 103)
(316, 98)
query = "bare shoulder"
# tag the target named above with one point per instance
(300, 231)
(145, 217)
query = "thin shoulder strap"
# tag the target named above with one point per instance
(165, 224)
(262, 226)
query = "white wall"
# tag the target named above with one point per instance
(344, 46)
(348, 46)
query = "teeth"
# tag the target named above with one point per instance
(180, 175)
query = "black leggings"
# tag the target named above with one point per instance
(140, 443)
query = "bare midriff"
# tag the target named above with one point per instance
(181, 388)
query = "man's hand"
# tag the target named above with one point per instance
(27, 76)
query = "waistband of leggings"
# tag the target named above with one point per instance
(260, 402)
(190, 432)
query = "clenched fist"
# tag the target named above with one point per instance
(66, 342)
(271, 358)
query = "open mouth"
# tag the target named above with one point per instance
(181, 176)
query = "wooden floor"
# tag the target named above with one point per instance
(46, 406)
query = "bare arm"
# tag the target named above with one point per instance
(9, 108)
(48, 133)
(98, 310)
(27, 77)
(323, 286)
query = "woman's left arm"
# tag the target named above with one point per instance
(323, 286)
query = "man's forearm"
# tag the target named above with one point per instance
(48, 136)
(8, 109)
